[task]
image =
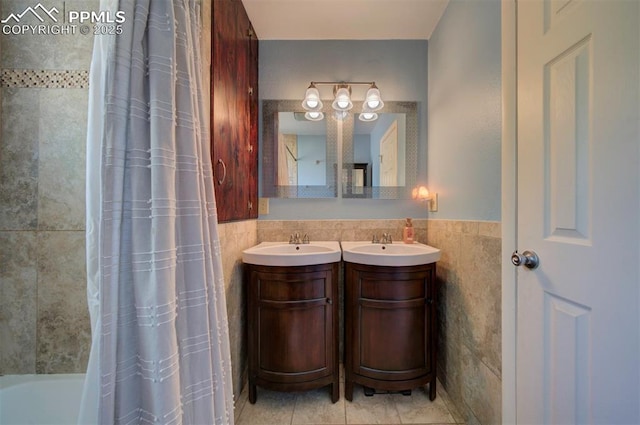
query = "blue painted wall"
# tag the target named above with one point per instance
(464, 113)
(312, 156)
(457, 76)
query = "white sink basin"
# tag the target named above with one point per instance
(395, 254)
(286, 254)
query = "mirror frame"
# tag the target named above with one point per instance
(339, 136)
(270, 189)
(410, 109)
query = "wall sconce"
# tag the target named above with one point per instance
(342, 98)
(421, 193)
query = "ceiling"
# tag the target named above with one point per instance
(344, 19)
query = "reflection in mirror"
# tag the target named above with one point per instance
(386, 149)
(299, 156)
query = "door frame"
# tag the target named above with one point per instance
(509, 211)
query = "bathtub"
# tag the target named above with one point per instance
(40, 399)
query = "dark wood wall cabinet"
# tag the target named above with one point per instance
(234, 112)
(293, 328)
(390, 328)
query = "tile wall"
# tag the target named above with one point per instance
(234, 238)
(469, 358)
(338, 230)
(44, 322)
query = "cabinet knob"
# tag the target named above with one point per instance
(329, 301)
(250, 91)
(429, 301)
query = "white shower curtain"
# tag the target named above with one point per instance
(160, 351)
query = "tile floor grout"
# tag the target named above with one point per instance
(269, 407)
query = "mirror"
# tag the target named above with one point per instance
(380, 157)
(300, 157)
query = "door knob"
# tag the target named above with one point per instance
(529, 259)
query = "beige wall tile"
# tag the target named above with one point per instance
(64, 328)
(26, 51)
(19, 159)
(234, 238)
(482, 390)
(480, 288)
(18, 301)
(469, 354)
(61, 182)
(337, 230)
(490, 228)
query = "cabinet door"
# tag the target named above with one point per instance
(233, 134)
(291, 325)
(223, 105)
(392, 323)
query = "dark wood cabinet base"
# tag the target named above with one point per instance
(403, 387)
(390, 328)
(293, 328)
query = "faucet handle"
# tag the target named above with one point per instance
(305, 238)
(295, 238)
(375, 239)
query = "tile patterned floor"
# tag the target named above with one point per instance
(315, 408)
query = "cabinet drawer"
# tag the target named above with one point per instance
(376, 289)
(301, 283)
(273, 289)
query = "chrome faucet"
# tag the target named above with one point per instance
(386, 238)
(294, 238)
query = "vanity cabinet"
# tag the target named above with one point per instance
(390, 327)
(293, 328)
(234, 111)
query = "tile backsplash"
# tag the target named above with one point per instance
(338, 230)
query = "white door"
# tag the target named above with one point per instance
(389, 156)
(578, 201)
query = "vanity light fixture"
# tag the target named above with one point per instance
(342, 98)
(373, 102)
(342, 101)
(421, 193)
(314, 116)
(312, 100)
(367, 116)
